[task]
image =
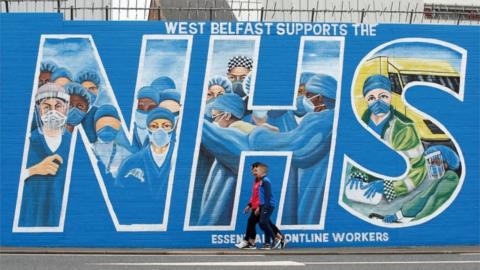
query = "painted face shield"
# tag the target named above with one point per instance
(435, 166)
(52, 106)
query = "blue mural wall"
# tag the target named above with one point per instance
(148, 134)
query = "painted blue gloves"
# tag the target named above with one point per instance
(390, 218)
(373, 188)
(355, 183)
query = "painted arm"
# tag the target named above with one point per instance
(226, 144)
(309, 142)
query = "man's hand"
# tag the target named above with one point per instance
(48, 166)
(245, 211)
(257, 211)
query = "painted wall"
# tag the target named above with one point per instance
(129, 134)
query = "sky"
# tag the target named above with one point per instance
(165, 58)
(319, 56)
(74, 54)
(322, 57)
(162, 57)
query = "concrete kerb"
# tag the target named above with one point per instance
(234, 251)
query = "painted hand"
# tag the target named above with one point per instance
(373, 188)
(48, 166)
(390, 218)
(355, 183)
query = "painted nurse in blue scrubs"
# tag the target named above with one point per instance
(44, 178)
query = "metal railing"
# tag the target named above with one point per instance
(249, 10)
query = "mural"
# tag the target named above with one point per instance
(136, 168)
(435, 161)
(149, 134)
(230, 127)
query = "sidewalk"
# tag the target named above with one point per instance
(235, 251)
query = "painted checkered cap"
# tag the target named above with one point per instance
(240, 61)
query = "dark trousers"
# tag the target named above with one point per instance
(251, 232)
(265, 223)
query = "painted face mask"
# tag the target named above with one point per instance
(159, 137)
(208, 108)
(93, 97)
(53, 120)
(141, 119)
(217, 118)
(379, 107)
(238, 88)
(436, 170)
(300, 107)
(308, 104)
(107, 134)
(260, 114)
(75, 116)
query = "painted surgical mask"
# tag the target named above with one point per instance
(308, 104)
(208, 108)
(141, 119)
(159, 137)
(75, 116)
(238, 88)
(107, 134)
(379, 107)
(300, 107)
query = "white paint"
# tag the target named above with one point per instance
(394, 262)
(137, 255)
(258, 263)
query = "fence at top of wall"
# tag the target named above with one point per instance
(346, 11)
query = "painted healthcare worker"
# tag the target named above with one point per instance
(442, 162)
(225, 138)
(46, 70)
(399, 132)
(238, 68)
(91, 81)
(304, 78)
(61, 76)
(45, 173)
(320, 96)
(108, 151)
(79, 105)
(163, 83)
(170, 100)
(147, 100)
(143, 177)
(217, 86)
(310, 144)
